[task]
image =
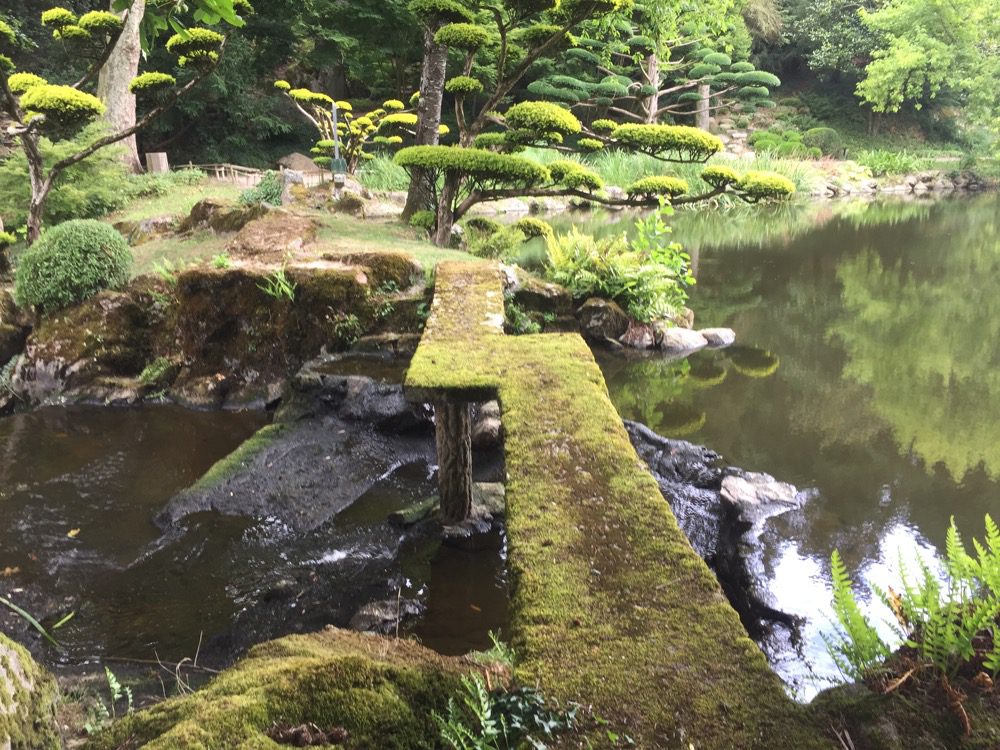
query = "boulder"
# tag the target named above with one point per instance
(638, 336)
(602, 320)
(220, 216)
(757, 496)
(385, 617)
(27, 702)
(718, 338)
(146, 230)
(684, 318)
(297, 162)
(273, 236)
(675, 340)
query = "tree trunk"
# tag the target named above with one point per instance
(112, 84)
(39, 186)
(701, 117)
(453, 428)
(652, 102)
(419, 196)
(446, 210)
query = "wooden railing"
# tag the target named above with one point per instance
(250, 177)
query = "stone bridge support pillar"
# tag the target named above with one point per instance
(453, 427)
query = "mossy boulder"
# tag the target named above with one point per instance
(14, 328)
(382, 268)
(220, 216)
(27, 702)
(381, 692)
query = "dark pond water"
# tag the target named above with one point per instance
(867, 368)
(80, 487)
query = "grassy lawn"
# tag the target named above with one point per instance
(178, 201)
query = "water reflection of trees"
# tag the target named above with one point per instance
(923, 333)
(886, 373)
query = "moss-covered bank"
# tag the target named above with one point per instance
(381, 691)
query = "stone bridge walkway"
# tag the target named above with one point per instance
(611, 607)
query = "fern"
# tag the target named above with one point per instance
(857, 649)
(992, 660)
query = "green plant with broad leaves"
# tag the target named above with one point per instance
(103, 713)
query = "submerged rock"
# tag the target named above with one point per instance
(387, 616)
(755, 497)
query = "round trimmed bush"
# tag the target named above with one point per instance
(21, 82)
(439, 10)
(542, 117)
(100, 22)
(193, 41)
(463, 85)
(65, 108)
(531, 227)
(694, 143)
(574, 175)
(464, 36)
(720, 176)
(826, 140)
(72, 262)
(149, 82)
(761, 186)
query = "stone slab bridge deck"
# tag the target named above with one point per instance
(611, 607)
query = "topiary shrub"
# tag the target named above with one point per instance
(531, 227)
(463, 86)
(677, 140)
(268, 191)
(760, 186)
(574, 175)
(542, 118)
(66, 109)
(71, 263)
(464, 36)
(503, 244)
(483, 225)
(719, 176)
(827, 140)
(658, 185)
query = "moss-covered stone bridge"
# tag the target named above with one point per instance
(611, 607)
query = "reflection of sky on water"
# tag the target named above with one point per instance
(801, 587)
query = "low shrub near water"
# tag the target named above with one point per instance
(70, 263)
(649, 277)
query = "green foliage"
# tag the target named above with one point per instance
(268, 191)
(193, 42)
(278, 286)
(423, 220)
(71, 263)
(463, 86)
(603, 126)
(539, 118)
(531, 227)
(882, 162)
(857, 649)
(464, 36)
(655, 185)
(58, 17)
(382, 174)
(347, 328)
(648, 278)
(221, 261)
(6, 240)
(826, 140)
(949, 620)
(503, 244)
(440, 10)
(517, 321)
(102, 714)
(719, 176)
(151, 81)
(590, 144)
(100, 22)
(501, 720)
(761, 186)
(66, 110)
(21, 82)
(475, 163)
(7, 35)
(154, 373)
(677, 141)
(574, 175)
(483, 225)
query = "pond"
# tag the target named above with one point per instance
(869, 339)
(82, 490)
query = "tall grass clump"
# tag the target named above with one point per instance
(383, 175)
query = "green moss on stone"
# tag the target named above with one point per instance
(611, 607)
(382, 691)
(27, 701)
(240, 458)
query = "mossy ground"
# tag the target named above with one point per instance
(612, 607)
(382, 691)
